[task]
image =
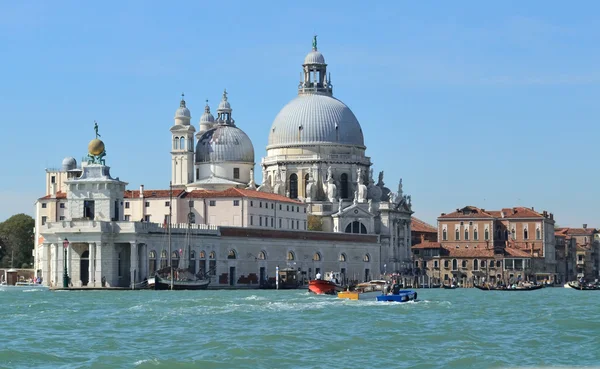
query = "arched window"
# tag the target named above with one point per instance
(152, 263)
(457, 234)
(482, 264)
(231, 254)
(202, 254)
(356, 227)
(163, 259)
(182, 143)
(294, 186)
(306, 177)
(290, 256)
(176, 143)
(212, 255)
(492, 264)
(466, 234)
(513, 233)
(262, 255)
(317, 256)
(538, 233)
(506, 234)
(525, 234)
(192, 255)
(499, 264)
(342, 257)
(454, 264)
(475, 264)
(344, 186)
(476, 234)
(486, 234)
(446, 264)
(367, 258)
(444, 235)
(175, 259)
(464, 263)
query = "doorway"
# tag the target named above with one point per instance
(261, 273)
(232, 276)
(367, 272)
(84, 268)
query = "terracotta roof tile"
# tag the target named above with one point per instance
(579, 231)
(157, 194)
(471, 252)
(473, 212)
(59, 195)
(238, 192)
(296, 235)
(417, 225)
(521, 212)
(427, 245)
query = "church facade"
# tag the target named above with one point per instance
(315, 167)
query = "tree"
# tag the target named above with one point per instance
(16, 235)
(314, 223)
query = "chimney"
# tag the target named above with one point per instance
(443, 214)
(141, 191)
(584, 226)
(532, 208)
(483, 210)
(422, 237)
(545, 213)
(514, 210)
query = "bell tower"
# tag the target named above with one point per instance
(182, 146)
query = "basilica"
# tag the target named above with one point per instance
(318, 207)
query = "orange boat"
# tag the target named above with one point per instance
(328, 286)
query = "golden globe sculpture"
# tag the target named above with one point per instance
(95, 147)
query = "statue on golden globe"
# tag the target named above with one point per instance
(96, 149)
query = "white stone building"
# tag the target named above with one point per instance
(315, 165)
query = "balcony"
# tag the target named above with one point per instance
(333, 158)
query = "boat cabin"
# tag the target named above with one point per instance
(335, 277)
(288, 278)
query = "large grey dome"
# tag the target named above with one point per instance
(315, 118)
(224, 143)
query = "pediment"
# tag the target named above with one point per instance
(354, 210)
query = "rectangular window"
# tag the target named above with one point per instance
(212, 203)
(147, 204)
(197, 173)
(62, 205)
(279, 206)
(260, 204)
(53, 179)
(305, 224)
(167, 203)
(236, 173)
(61, 218)
(44, 220)
(43, 205)
(292, 224)
(297, 209)
(191, 203)
(127, 218)
(260, 221)
(279, 222)
(436, 264)
(236, 202)
(272, 206)
(297, 224)
(304, 210)
(126, 204)
(251, 220)
(272, 222)
(288, 208)
(146, 218)
(251, 203)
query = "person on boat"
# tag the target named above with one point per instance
(318, 276)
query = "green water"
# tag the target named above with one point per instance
(465, 328)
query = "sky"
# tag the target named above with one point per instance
(490, 104)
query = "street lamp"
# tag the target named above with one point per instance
(65, 275)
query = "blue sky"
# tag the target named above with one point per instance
(471, 103)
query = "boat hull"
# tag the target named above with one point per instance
(449, 287)
(580, 287)
(356, 295)
(322, 287)
(162, 284)
(402, 296)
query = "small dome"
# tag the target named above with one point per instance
(69, 163)
(183, 111)
(207, 117)
(314, 57)
(224, 105)
(224, 143)
(95, 147)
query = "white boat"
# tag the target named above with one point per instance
(23, 286)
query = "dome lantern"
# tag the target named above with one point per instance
(182, 114)
(315, 73)
(224, 111)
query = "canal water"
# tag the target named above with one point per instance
(468, 328)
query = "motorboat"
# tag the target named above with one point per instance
(331, 285)
(398, 295)
(364, 291)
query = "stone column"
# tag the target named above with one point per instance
(45, 264)
(98, 266)
(55, 281)
(133, 269)
(70, 269)
(406, 241)
(92, 251)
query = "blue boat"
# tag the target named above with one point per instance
(398, 295)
